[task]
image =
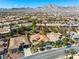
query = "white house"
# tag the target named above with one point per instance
(53, 36)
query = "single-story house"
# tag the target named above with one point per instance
(36, 38)
(18, 43)
(54, 36)
(4, 32)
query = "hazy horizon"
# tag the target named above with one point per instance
(37, 3)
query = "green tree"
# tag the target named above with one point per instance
(65, 40)
(41, 44)
(73, 29)
(45, 30)
(21, 29)
(72, 52)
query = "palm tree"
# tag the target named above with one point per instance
(33, 26)
(45, 29)
(11, 29)
(72, 52)
(65, 51)
(28, 37)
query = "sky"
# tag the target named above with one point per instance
(36, 3)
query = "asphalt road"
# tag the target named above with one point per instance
(51, 54)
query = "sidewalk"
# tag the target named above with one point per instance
(27, 52)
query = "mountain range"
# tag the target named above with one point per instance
(47, 8)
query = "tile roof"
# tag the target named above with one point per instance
(4, 30)
(53, 36)
(36, 38)
(16, 41)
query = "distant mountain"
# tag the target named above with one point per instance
(54, 8)
(28, 9)
(47, 8)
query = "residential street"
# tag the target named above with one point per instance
(52, 54)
